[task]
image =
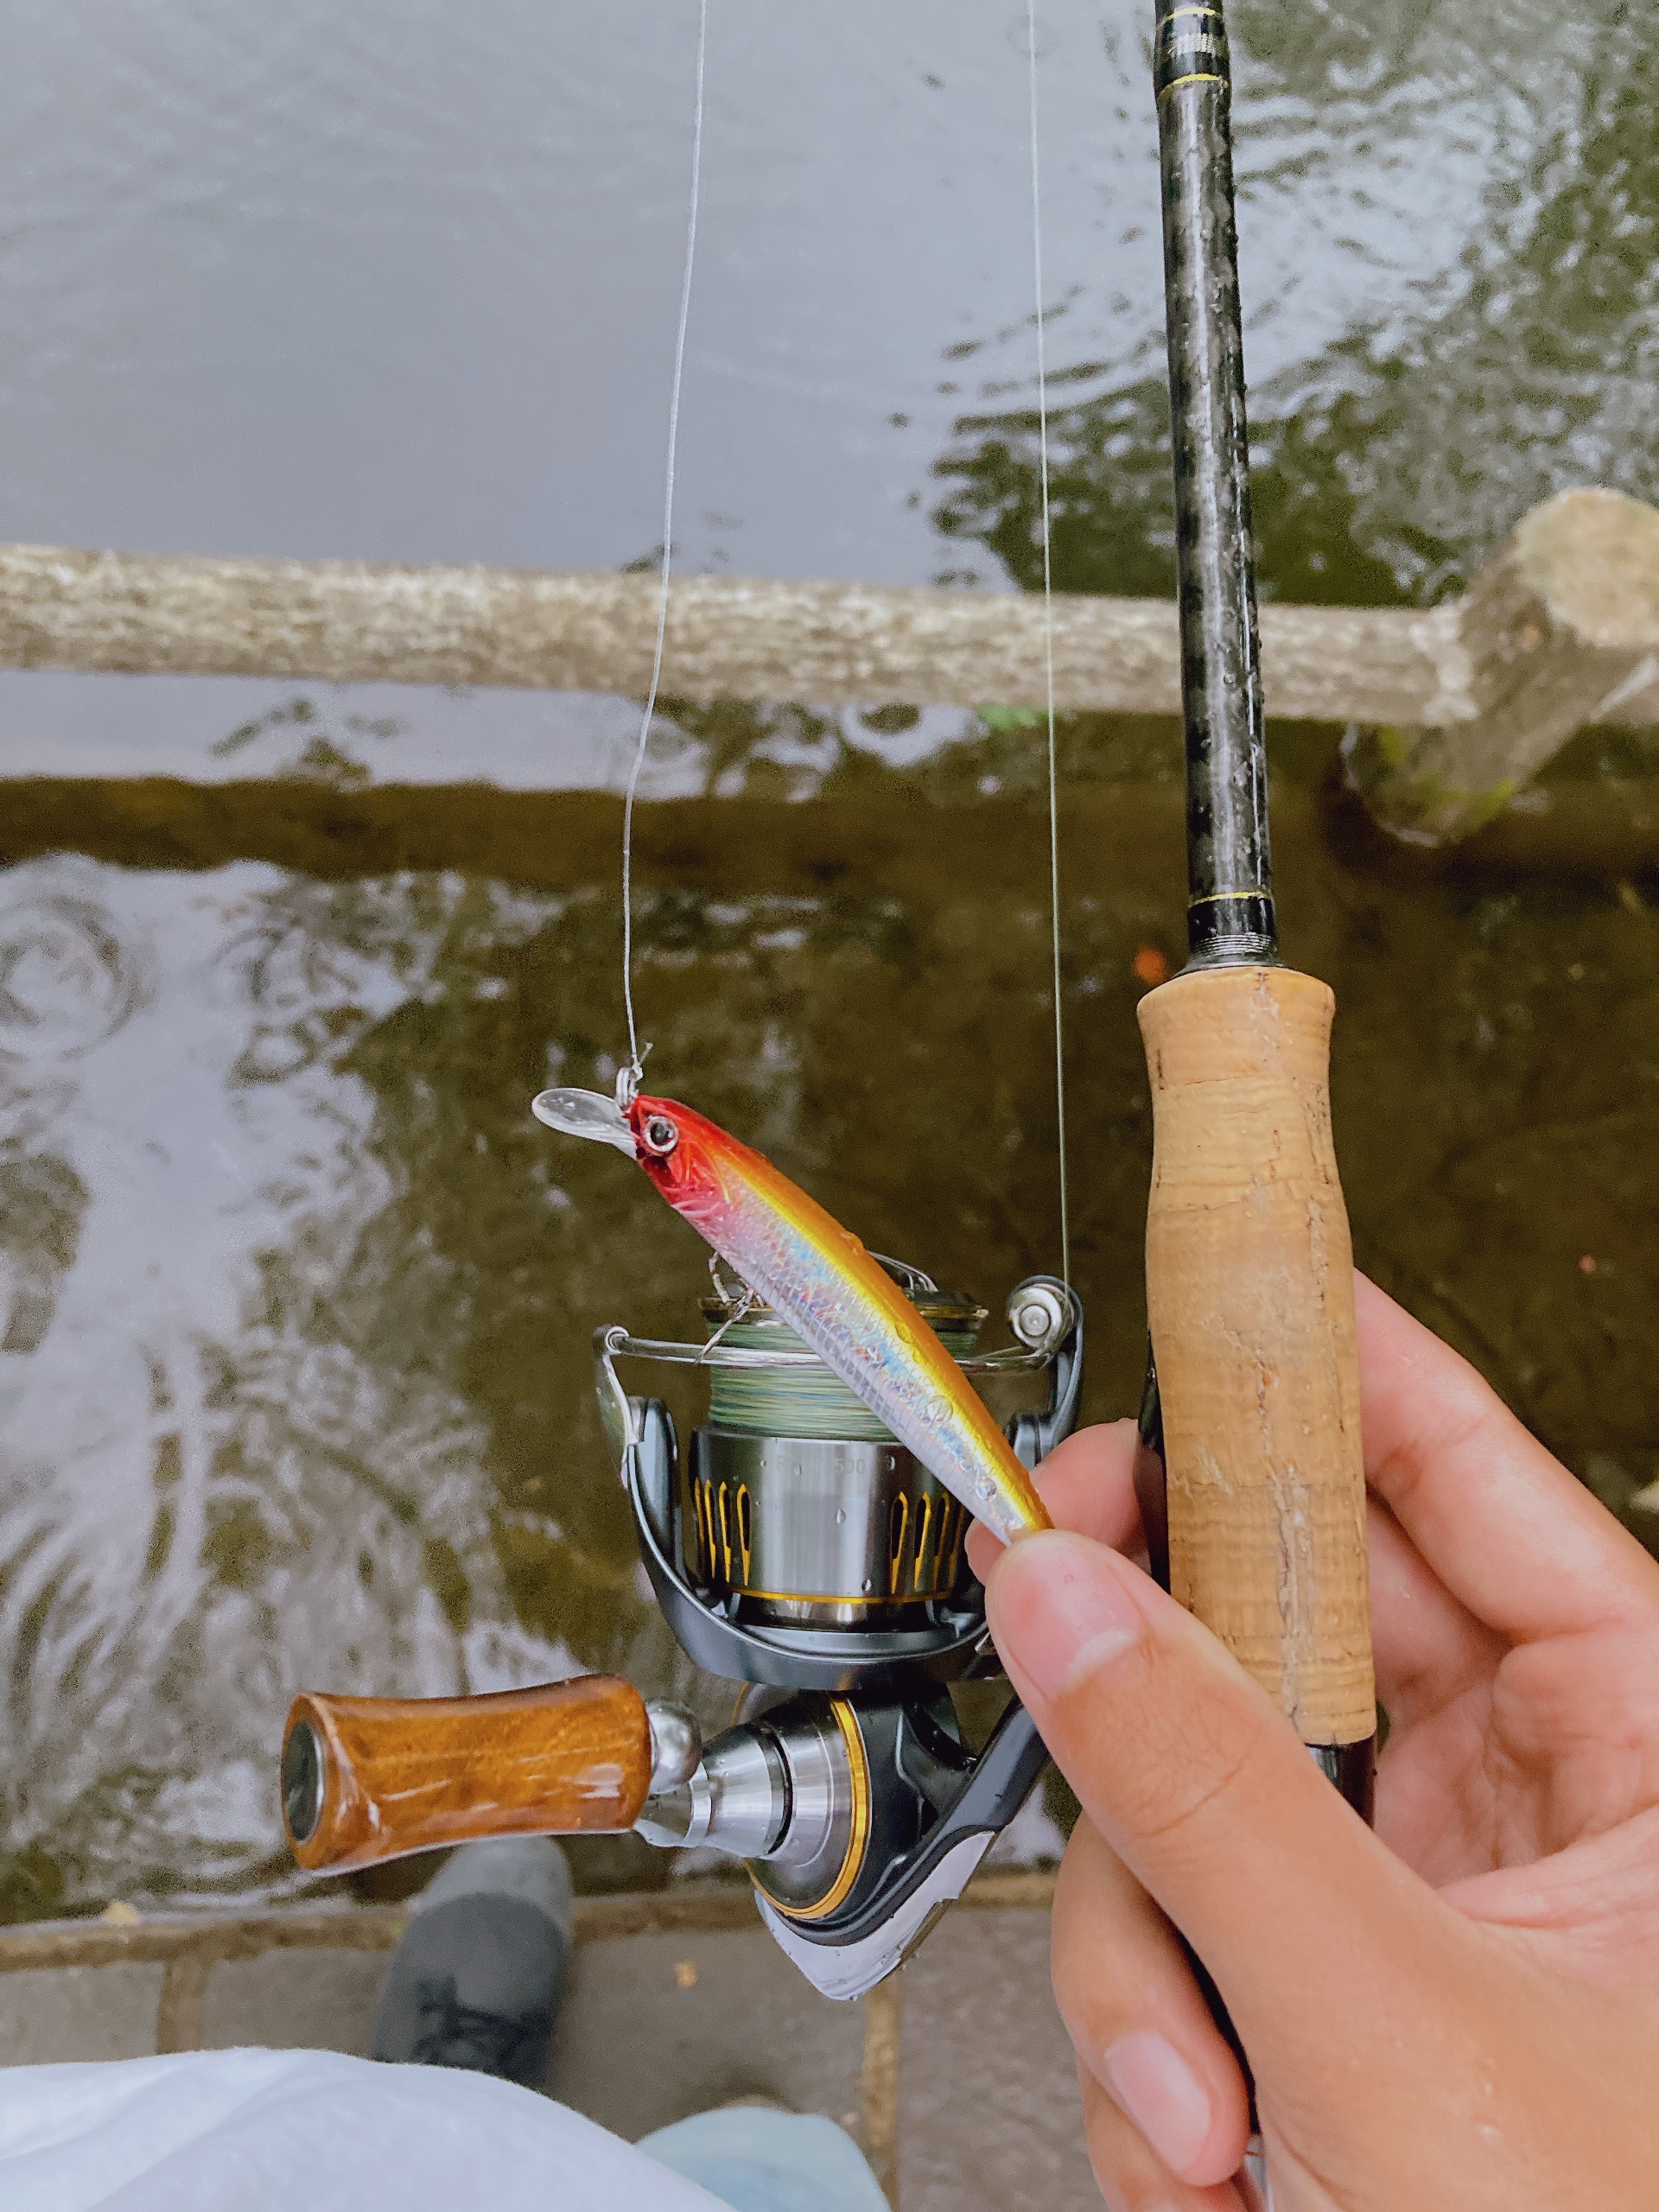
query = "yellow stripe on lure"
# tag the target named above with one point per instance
(817, 1276)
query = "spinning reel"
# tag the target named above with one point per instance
(794, 1548)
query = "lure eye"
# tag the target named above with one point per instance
(659, 1135)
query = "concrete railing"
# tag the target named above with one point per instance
(1560, 630)
(1451, 710)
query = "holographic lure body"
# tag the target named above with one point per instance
(816, 1275)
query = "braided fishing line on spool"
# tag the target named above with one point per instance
(811, 1401)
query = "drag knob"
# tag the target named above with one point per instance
(366, 1779)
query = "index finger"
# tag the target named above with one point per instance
(1508, 1530)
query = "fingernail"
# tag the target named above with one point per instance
(1059, 1606)
(1153, 2085)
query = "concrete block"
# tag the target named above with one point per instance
(52, 2014)
(989, 2118)
(656, 2027)
(291, 2000)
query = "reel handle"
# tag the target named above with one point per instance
(1250, 1301)
(366, 1778)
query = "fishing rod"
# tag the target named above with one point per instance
(1250, 1471)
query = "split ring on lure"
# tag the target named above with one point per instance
(817, 1276)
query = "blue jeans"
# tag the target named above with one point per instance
(758, 2160)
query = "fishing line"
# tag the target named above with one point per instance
(628, 1082)
(1048, 632)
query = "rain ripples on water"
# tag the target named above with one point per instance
(231, 1437)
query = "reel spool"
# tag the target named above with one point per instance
(797, 1548)
(800, 1544)
(806, 1512)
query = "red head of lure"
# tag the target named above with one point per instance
(816, 1275)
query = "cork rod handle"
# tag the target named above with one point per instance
(366, 1779)
(1249, 1295)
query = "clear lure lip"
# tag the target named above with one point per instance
(585, 1114)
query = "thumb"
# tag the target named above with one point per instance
(1201, 1786)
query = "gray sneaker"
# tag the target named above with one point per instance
(475, 1982)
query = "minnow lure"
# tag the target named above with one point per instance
(818, 1277)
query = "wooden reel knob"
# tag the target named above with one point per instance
(366, 1779)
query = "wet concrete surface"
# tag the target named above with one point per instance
(989, 2115)
(50, 2016)
(293, 2000)
(654, 2028)
(657, 2026)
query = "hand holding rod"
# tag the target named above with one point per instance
(366, 1779)
(1249, 1285)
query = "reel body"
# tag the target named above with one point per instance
(827, 1571)
(799, 1550)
